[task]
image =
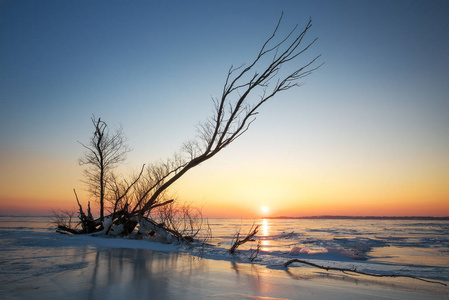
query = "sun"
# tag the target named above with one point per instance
(264, 209)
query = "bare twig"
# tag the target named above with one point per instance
(255, 253)
(180, 219)
(249, 237)
(63, 218)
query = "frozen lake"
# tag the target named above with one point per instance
(29, 249)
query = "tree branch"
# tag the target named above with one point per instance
(356, 272)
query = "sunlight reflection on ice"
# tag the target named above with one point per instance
(265, 227)
(265, 243)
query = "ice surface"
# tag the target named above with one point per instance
(31, 251)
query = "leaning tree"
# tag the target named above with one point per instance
(235, 110)
(245, 90)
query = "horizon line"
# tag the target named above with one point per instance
(360, 217)
(296, 217)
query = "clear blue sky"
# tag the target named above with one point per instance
(373, 119)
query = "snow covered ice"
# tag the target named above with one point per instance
(30, 251)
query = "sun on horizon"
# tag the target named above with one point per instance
(264, 209)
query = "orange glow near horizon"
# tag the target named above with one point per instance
(317, 207)
(236, 191)
(239, 195)
(236, 209)
(225, 198)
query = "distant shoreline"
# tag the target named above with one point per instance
(364, 218)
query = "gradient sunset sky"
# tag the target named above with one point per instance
(367, 134)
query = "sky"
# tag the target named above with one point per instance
(366, 134)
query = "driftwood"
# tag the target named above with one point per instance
(344, 270)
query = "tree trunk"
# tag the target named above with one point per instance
(150, 226)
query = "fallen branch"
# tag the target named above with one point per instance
(65, 229)
(344, 270)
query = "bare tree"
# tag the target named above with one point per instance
(104, 152)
